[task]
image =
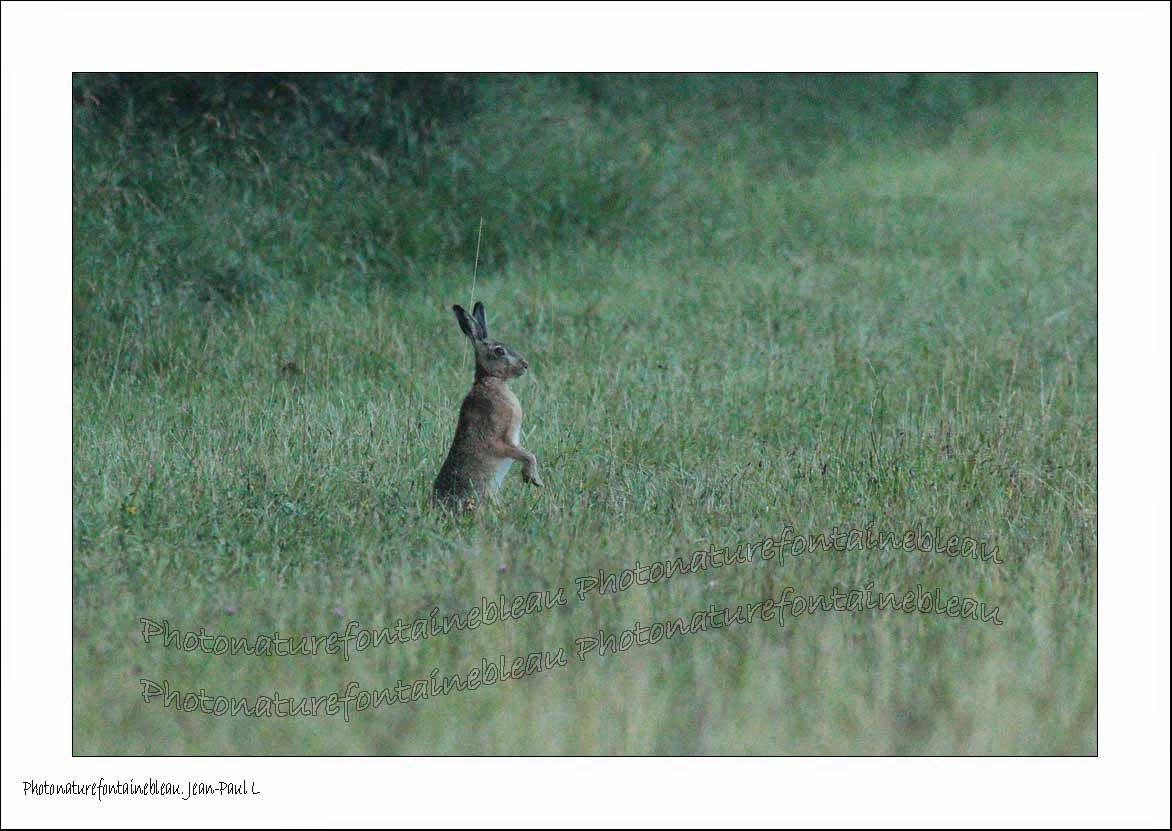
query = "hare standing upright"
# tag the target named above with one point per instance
(488, 434)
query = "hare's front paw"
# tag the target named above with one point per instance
(529, 474)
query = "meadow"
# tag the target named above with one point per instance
(749, 305)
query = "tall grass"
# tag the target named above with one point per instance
(839, 307)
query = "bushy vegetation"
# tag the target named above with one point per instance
(750, 302)
(209, 190)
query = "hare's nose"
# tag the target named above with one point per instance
(524, 364)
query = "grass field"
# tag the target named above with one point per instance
(895, 334)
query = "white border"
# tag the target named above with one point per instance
(1126, 42)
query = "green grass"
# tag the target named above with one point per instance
(904, 333)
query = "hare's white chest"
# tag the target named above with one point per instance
(503, 465)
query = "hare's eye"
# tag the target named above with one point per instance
(499, 351)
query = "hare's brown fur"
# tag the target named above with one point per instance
(488, 433)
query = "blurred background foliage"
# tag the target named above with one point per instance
(208, 191)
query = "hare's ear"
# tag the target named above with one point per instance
(478, 314)
(467, 324)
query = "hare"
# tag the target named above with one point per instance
(488, 434)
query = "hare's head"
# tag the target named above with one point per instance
(492, 357)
